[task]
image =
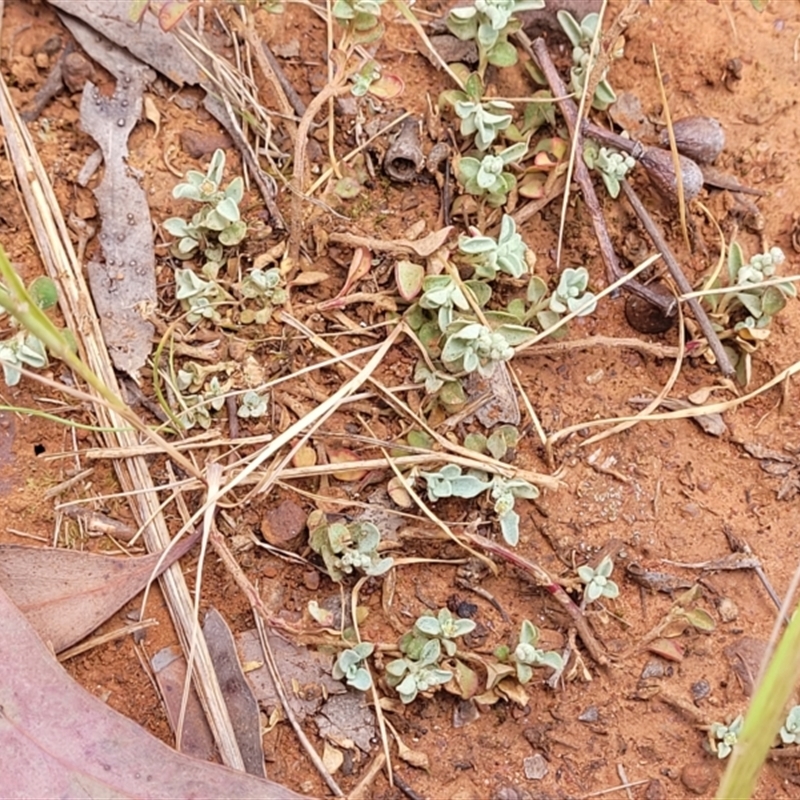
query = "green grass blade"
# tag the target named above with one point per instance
(764, 717)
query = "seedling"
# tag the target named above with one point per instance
(489, 22)
(345, 548)
(611, 165)
(252, 405)
(571, 295)
(526, 655)
(218, 224)
(361, 18)
(598, 581)
(450, 482)
(349, 666)
(489, 256)
(444, 627)
(504, 492)
(23, 349)
(724, 737)
(410, 676)
(266, 287)
(370, 80)
(487, 177)
(790, 730)
(199, 298)
(581, 36)
(473, 347)
(443, 295)
(743, 315)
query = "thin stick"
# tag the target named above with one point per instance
(570, 113)
(280, 690)
(683, 284)
(328, 92)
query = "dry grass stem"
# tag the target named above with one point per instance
(55, 248)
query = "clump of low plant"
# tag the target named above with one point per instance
(346, 548)
(482, 119)
(790, 730)
(489, 23)
(598, 581)
(489, 256)
(487, 177)
(351, 666)
(580, 35)
(527, 656)
(724, 737)
(742, 316)
(450, 481)
(23, 348)
(361, 19)
(419, 670)
(612, 165)
(218, 223)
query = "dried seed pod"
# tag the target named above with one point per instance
(699, 138)
(404, 157)
(661, 171)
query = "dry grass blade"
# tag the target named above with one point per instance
(52, 239)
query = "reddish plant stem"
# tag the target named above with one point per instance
(596, 650)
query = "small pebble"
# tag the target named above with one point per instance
(645, 317)
(653, 669)
(728, 610)
(311, 580)
(589, 715)
(698, 777)
(700, 690)
(535, 767)
(655, 790)
(76, 70)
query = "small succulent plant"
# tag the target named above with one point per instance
(611, 165)
(410, 676)
(526, 655)
(487, 177)
(472, 347)
(348, 547)
(724, 737)
(490, 256)
(218, 224)
(251, 405)
(571, 295)
(444, 627)
(349, 666)
(790, 730)
(21, 350)
(504, 492)
(449, 481)
(199, 298)
(442, 294)
(581, 35)
(489, 23)
(598, 580)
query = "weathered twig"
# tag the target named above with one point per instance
(683, 284)
(570, 113)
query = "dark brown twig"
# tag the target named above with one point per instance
(683, 284)
(570, 113)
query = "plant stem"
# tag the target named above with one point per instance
(543, 579)
(683, 284)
